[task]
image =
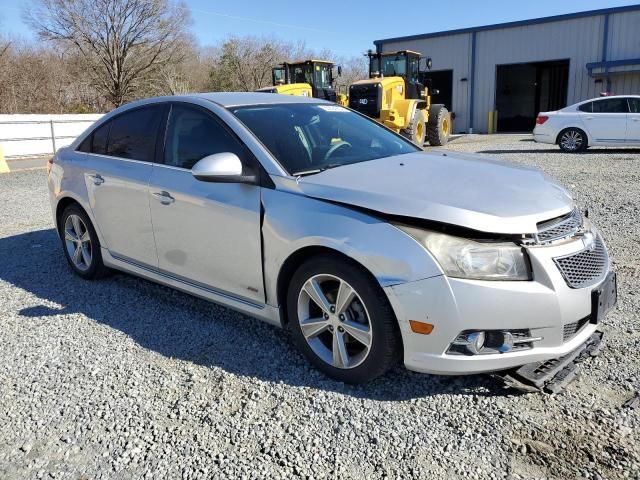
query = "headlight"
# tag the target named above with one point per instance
(463, 258)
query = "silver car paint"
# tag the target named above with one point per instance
(118, 196)
(293, 222)
(209, 233)
(412, 279)
(464, 190)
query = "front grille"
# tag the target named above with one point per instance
(570, 329)
(586, 267)
(366, 98)
(559, 227)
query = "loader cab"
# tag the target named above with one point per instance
(318, 74)
(404, 64)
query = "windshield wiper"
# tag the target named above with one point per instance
(313, 171)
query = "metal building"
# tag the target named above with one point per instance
(522, 68)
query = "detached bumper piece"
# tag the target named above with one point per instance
(552, 376)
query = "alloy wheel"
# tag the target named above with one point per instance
(78, 242)
(571, 140)
(334, 321)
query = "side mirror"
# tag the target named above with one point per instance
(339, 70)
(428, 63)
(222, 168)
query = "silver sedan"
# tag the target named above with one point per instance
(315, 218)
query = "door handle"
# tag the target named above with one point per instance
(97, 179)
(164, 197)
(589, 118)
(636, 119)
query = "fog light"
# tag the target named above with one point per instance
(475, 342)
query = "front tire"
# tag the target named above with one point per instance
(439, 125)
(572, 140)
(416, 131)
(80, 243)
(341, 320)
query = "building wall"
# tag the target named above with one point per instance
(578, 39)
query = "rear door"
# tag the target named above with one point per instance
(119, 165)
(633, 121)
(607, 121)
(206, 233)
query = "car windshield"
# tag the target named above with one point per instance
(307, 138)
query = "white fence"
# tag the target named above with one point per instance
(25, 135)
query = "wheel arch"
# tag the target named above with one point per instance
(295, 260)
(61, 206)
(575, 127)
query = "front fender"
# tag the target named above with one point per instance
(293, 222)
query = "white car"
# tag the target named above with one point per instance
(607, 121)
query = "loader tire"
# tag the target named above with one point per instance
(416, 131)
(438, 126)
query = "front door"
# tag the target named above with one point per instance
(607, 121)
(118, 167)
(206, 233)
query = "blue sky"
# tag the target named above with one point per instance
(348, 27)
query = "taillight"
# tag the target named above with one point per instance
(49, 165)
(541, 119)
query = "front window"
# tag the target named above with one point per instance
(306, 138)
(394, 66)
(303, 74)
(323, 76)
(193, 134)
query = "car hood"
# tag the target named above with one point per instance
(459, 189)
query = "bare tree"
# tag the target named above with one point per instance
(353, 69)
(245, 63)
(123, 41)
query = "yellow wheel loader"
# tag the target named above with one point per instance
(310, 78)
(394, 96)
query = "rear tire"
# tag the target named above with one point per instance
(439, 125)
(356, 320)
(572, 140)
(416, 131)
(80, 244)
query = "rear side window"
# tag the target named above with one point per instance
(634, 105)
(133, 134)
(586, 107)
(96, 142)
(99, 139)
(193, 134)
(611, 105)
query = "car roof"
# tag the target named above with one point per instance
(607, 96)
(224, 99)
(237, 99)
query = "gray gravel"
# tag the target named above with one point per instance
(122, 378)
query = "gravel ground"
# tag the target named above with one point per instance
(122, 378)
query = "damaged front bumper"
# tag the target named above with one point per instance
(553, 375)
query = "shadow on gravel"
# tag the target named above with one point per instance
(180, 326)
(590, 151)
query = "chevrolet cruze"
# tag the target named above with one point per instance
(315, 218)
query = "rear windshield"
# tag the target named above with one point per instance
(306, 136)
